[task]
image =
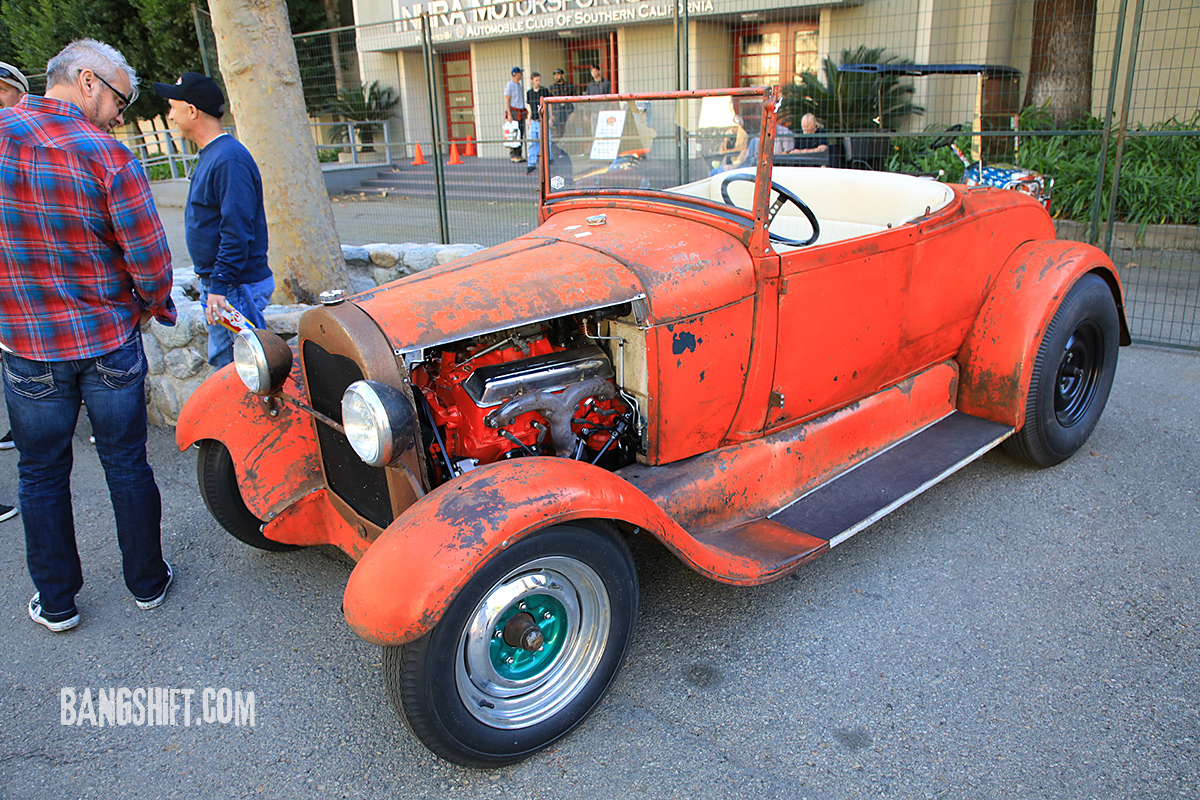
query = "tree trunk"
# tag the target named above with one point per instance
(258, 61)
(1060, 69)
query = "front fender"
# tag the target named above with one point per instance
(997, 357)
(276, 457)
(412, 572)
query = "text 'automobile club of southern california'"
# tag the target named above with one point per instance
(631, 42)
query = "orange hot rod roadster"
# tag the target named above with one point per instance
(749, 366)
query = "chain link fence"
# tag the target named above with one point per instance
(1102, 97)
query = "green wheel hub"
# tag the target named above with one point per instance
(516, 663)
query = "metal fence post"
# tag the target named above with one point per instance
(200, 39)
(1116, 178)
(438, 174)
(1093, 229)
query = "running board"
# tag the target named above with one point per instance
(841, 507)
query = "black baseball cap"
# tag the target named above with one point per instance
(199, 90)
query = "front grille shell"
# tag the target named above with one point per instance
(339, 345)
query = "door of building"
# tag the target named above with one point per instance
(459, 97)
(585, 53)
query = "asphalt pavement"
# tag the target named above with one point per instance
(1012, 633)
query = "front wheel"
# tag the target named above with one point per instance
(219, 488)
(1072, 375)
(524, 652)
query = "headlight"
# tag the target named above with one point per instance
(379, 421)
(263, 361)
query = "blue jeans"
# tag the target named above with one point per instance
(535, 141)
(248, 298)
(43, 407)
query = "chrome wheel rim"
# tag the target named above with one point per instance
(505, 686)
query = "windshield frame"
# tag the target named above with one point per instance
(755, 217)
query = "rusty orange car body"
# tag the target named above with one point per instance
(733, 378)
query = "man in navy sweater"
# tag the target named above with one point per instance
(225, 223)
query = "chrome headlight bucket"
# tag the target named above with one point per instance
(263, 361)
(379, 422)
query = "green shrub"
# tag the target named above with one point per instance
(851, 101)
(1160, 166)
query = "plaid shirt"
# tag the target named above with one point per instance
(82, 250)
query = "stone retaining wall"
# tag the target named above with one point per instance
(178, 356)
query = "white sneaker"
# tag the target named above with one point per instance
(157, 600)
(64, 623)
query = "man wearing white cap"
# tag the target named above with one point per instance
(13, 85)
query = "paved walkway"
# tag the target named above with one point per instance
(1013, 633)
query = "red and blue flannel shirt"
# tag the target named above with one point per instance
(82, 250)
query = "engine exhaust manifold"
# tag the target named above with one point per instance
(558, 409)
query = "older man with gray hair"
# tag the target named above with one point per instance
(83, 262)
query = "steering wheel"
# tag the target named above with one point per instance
(947, 138)
(785, 196)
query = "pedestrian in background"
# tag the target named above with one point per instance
(598, 85)
(224, 221)
(562, 111)
(514, 110)
(13, 85)
(70, 310)
(533, 99)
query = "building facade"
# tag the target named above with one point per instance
(638, 46)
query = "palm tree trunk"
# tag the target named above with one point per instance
(1060, 68)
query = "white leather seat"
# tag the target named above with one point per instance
(847, 203)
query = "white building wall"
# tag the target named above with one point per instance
(492, 67)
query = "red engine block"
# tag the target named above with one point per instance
(461, 421)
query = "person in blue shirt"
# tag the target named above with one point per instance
(225, 223)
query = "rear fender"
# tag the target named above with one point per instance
(997, 357)
(412, 572)
(274, 453)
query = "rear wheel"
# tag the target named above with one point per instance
(219, 488)
(1072, 375)
(524, 652)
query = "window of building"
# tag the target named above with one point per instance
(775, 54)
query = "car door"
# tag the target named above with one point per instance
(841, 314)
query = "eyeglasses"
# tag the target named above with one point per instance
(125, 102)
(9, 75)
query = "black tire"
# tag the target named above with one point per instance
(1072, 376)
(460, 693)
(219, 488)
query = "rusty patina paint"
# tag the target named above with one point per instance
(998, 355)
(275, 457)
(434, 547)
(734, 485)
(312, 520)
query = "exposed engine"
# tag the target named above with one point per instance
(547, 389)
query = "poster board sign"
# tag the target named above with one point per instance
(609, 127)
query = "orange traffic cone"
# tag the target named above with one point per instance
(419, 159)
(454, 159)
(469, 149)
